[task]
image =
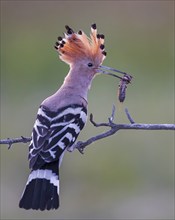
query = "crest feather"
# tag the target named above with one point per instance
(77, 46)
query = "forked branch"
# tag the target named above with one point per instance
(80, 145)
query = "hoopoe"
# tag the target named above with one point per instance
(62, 116)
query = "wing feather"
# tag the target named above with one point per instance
(54, 132)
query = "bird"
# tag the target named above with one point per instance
(62, 116)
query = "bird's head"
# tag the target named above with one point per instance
(77, 49)
(84, 53)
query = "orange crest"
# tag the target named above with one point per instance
(76, 46)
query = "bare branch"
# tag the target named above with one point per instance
(15, 140)
(116, 127)
(80, 145)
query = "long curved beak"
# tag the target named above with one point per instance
(107, 70)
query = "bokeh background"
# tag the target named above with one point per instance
(127, 176)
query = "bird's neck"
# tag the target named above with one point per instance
(78, 83)
(74, 90)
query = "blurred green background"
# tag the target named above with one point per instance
(127, 176)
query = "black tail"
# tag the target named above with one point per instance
(42, 188)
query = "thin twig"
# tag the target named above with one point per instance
(111, 119)
(80, 145)
(129, 116)
(91, 119)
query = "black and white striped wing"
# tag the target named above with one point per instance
(53, 132)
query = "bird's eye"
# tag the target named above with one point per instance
(90, 64)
